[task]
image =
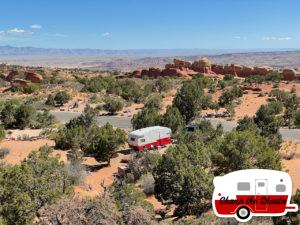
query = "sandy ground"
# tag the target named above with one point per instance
(19, 150)
(14, 134)
(100, 177)
(293, 165)
(250, 103)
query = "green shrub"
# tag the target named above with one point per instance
(38, 181)
(113, 105)
(297, 118)
(2, 133)
(154, 101)
(4, 152)
(228, 77)
(61, 98)
(50, 101)
(148, 183)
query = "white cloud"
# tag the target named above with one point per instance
(277, 38)
(36, 26)
(106, 34)
(16, 31)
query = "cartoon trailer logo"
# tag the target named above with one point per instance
(254, 192)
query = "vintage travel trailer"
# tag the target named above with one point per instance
(149, 137)
(253, 192)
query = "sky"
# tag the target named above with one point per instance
(151, 24)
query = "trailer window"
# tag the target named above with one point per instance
(143, 140)
(280, 188)
(261, 184)
(243, 186)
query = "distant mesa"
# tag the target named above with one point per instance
(181, 68)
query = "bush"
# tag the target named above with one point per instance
(38, 181)
(297, 118)
(31, 88)
(2, 133)
(131, 91)
(113, 105)
(99, 210)
(254, 79)
(173, 119)
(148, 183)
(102, 142)
(245, 150)
(145, 118)
(154, 102)
(75, 172)
(183, 178)
(61, 98)
(50, 101)
(24, 116)
(133, 205)
(228, 77)
(4, 152)
(143, 164)
(162, 85)
(229, 95)
(274, 76)
(189, 98)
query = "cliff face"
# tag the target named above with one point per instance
(181, 68)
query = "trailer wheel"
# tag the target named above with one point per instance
(243, 213)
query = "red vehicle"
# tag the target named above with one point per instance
(149, 137)
(254, 192)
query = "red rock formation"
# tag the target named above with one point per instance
(289, 74)
(177, 63)
(247, 71)
(11, 75)
(263, 71)
(137, 73)
(144, 72)
(154, 72)
(20, 82)
(181, 68)
(33, 77)
(202, 66)
(175, 72)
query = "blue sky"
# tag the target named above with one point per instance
(151, 24)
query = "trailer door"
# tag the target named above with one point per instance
(261, 190)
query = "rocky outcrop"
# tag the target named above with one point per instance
(154, 72)
(33, 77)
(144, 73)
(290, 74)
(177, 63)
(263, 71)
(181, 68)
(202, 66)
(175, 72)
(20, 82)
(136, 73)
(11, 75)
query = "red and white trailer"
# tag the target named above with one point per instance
(149, 137)
(253, 192)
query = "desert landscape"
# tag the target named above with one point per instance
(149, 112)
(127, 100)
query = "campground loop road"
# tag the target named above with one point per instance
(125, 123)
